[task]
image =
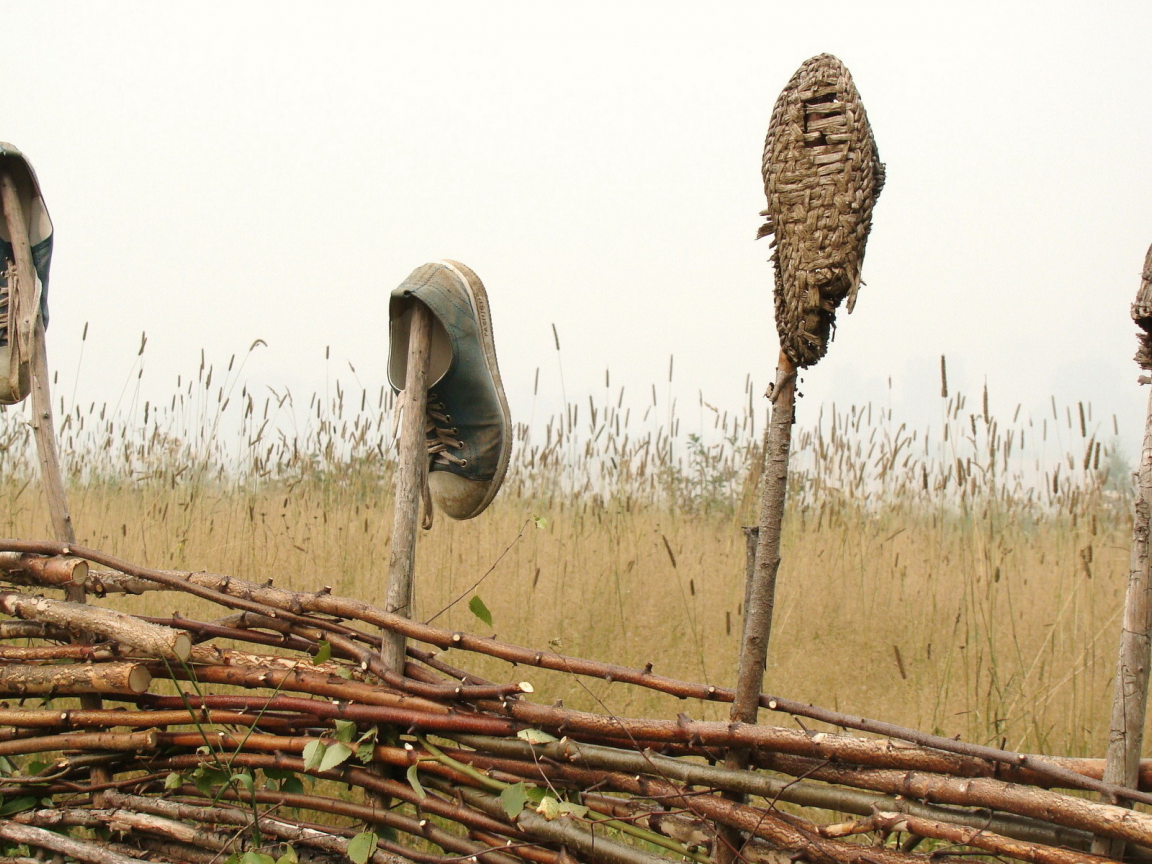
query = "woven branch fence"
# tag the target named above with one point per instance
(277, 735)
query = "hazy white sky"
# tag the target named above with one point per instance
(221, 172)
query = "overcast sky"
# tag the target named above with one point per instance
(221, 172)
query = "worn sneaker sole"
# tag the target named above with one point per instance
(479, 298)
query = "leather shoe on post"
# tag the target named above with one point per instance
(469, 430)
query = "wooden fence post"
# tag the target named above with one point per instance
(43, 427)
(751, 541)
(45, 431)
(761, 590)
(411, 475)
(763, 554)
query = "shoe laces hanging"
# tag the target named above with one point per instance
(441, 441)
(440, 436)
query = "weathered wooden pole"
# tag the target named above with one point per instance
(411, 480)
(1130, 690)
(822, 176)
(43, 427)
(751, 541)
(17, 221)
(760, 590)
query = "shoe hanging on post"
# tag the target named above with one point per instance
(467, 425)
(455, 432)
(26, 245)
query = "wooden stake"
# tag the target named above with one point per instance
(729, 840)
(751, 541)
(43, 427)
(760, 592)
(1130, 691)
(411, 475)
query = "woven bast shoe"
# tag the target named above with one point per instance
(822, 176)
(18, 308)
(469, 430)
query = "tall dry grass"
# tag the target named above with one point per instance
(965, 579)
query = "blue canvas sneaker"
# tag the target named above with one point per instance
(469, 430)
(15, 368)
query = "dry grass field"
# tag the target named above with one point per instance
(967, 583)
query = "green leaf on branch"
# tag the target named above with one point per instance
(202, 782)
(362, 847)
(366, 745)
(292, 785)
(18, 805)
(254, 857)
(536, 736)
(514, 798)
(35, 767)
(289, 856)
(323, 653)
(540, 522)
(414, 782)
(314, 754)
(345, 731)
(336, 754)
(207, 778)
(480, 610)
(173, 780)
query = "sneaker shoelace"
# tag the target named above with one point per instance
(441, 440)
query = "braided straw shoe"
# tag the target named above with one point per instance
(822, 177)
